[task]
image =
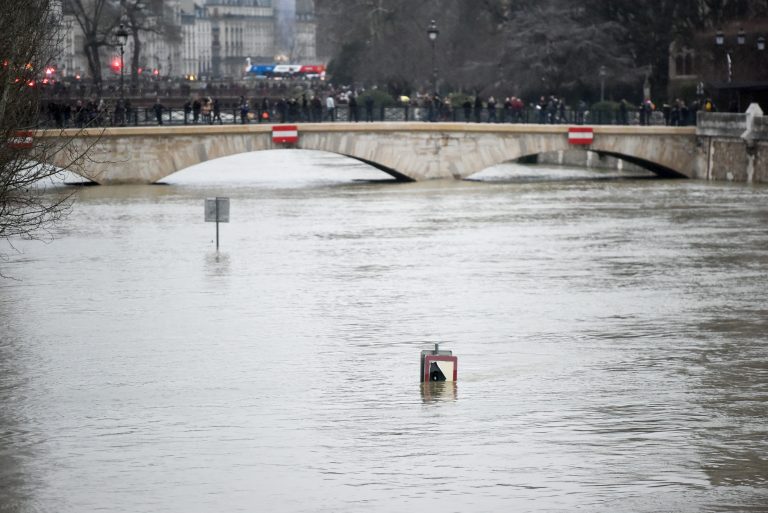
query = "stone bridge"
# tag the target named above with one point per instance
(407, 151)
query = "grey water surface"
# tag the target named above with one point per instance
(611, 337)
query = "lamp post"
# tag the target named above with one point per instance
(68, 51)
(122, 40)
(741, 39)
(433, 32)
(602, 83)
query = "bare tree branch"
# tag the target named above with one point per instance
(29, 204)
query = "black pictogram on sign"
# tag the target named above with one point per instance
(435, 374)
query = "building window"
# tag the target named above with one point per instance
(684, 62)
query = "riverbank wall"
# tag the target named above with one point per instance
(733, 147)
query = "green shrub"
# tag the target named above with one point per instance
(380, 98)
(458, 99)
(606, 106)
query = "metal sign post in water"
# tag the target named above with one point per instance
(217, 211)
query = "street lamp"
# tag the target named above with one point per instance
(602, 83)
(719, 38)
(122, 40)
(741, 39)
(433, 32)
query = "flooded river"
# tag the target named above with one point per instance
(610, 334)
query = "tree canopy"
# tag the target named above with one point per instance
(516, 46)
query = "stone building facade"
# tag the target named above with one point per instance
(206, 39)
(734, 73)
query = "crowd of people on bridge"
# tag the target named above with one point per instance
(353, 105)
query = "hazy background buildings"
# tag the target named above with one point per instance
(200, 38)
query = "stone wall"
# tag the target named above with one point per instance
(733, 147)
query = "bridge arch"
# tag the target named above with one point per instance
(278, 166)
(581, 158)
(654, 167)
(407, 151)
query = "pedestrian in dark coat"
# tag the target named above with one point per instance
(353, 108)
(369, 108)
(187, 110)
(467, 106)
(196, 108)
(216, 111)
(542, 108)
(317, 109)
(158, 109)
(507, 112)
(623, 113)
(304, 108)
(244, 108)
(266, 110)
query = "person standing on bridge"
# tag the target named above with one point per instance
(506, 113)
(369, 108)
(467, 106)
(243, 110)
(216, 112)
(119, 118)
(196, 107)
(623, 112)
(304, 108)
(518, 106)
(541, 108)
(158, 109)
(187, 110)
(491, 110)
(317, 109)
(353, 107)
(266, 111)
(330, 105)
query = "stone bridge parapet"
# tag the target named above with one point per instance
(721, 147)
(407, 151)
(733, 147)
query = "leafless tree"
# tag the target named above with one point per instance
(141, 18)
(97, 20)
(28, 44)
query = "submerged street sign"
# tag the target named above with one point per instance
(216, 210)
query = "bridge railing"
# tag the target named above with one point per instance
(146, 116)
